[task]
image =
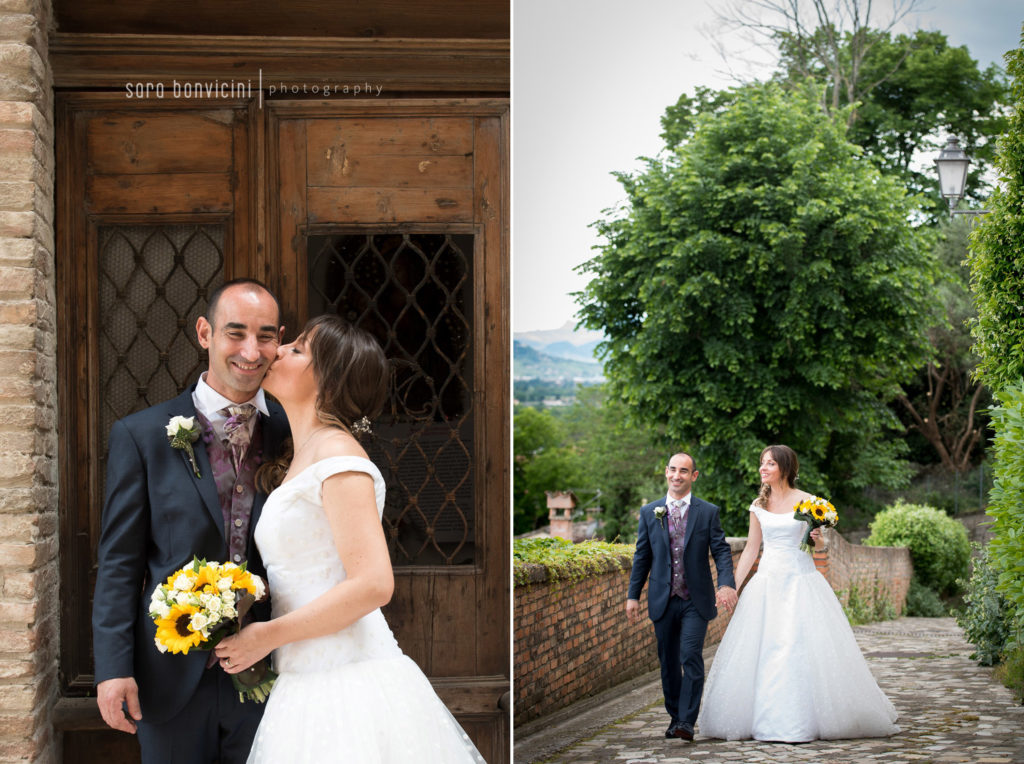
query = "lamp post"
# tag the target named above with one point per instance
(952, 164)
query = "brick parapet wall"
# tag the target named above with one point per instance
(28, 394)
(572, 639)
(887, 569)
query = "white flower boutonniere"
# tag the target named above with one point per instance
(660, 512)
(183, 431)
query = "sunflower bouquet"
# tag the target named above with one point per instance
(201, 604)
(816, 512)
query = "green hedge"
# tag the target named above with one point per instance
(1006, 500)
(938, 544)
(564, 560)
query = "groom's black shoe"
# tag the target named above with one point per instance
(671, 731)
(681, 730)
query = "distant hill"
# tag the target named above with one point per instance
(564, 354)
(531, 363)
(568, 332)
(573, 352)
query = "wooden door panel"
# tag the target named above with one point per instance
(153, 211)
(357, 137)
(343, 170)
(133, 144)
(390, 170)
(157, 194)
(390, 205)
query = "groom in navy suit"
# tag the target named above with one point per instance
(160, 510)
(675, 535)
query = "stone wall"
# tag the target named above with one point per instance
(572, 639)
(28, 396)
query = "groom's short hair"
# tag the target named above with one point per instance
(693, 462)
(253, 284)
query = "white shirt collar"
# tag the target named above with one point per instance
(209, 402)
(685, 500)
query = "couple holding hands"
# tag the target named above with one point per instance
(788, 668)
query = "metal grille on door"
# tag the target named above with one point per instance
(413, 291)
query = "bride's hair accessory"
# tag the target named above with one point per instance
(361, 426)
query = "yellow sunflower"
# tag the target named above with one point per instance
(207, 576)
(173, 630)
(818, 512)
(240, 579)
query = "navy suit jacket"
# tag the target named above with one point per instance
(156, 516)
(653, 558)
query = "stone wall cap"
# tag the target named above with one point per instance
(537, 573)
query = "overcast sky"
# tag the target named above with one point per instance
(590, 80)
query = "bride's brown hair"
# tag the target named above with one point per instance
(351, 373)
(789, 466)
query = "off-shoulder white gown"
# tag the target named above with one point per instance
(351, 696)
(788, 668)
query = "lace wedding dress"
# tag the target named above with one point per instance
(351, 696)
(789, 668)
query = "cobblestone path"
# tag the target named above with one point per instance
(951, 710)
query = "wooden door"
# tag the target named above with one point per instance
(393, 214)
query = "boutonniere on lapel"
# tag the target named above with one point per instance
(183, 431)
(660, 512)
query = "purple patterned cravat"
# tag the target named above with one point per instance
(677, 536)
(237, 430)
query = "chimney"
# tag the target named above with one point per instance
(560, 507)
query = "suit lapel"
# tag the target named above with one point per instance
(205, 485)
(692, 514)
(661, 532)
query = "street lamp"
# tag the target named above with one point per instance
(952, 164)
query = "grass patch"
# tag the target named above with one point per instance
(863, 606)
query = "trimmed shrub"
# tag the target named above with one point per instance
(923, 601)
(938, 544)
(985, 616)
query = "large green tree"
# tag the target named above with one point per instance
(898, 94)
(916, 87)
(763, 285)
(997, 255)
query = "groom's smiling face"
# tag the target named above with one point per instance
(242, 341)
(680, 475)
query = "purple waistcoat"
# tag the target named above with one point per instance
(236, 491)
(676, 538)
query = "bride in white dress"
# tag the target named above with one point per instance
(345, 691)
(789, 668)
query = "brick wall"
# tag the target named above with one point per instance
(28, 438)
(867, 567)
(572, 639)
